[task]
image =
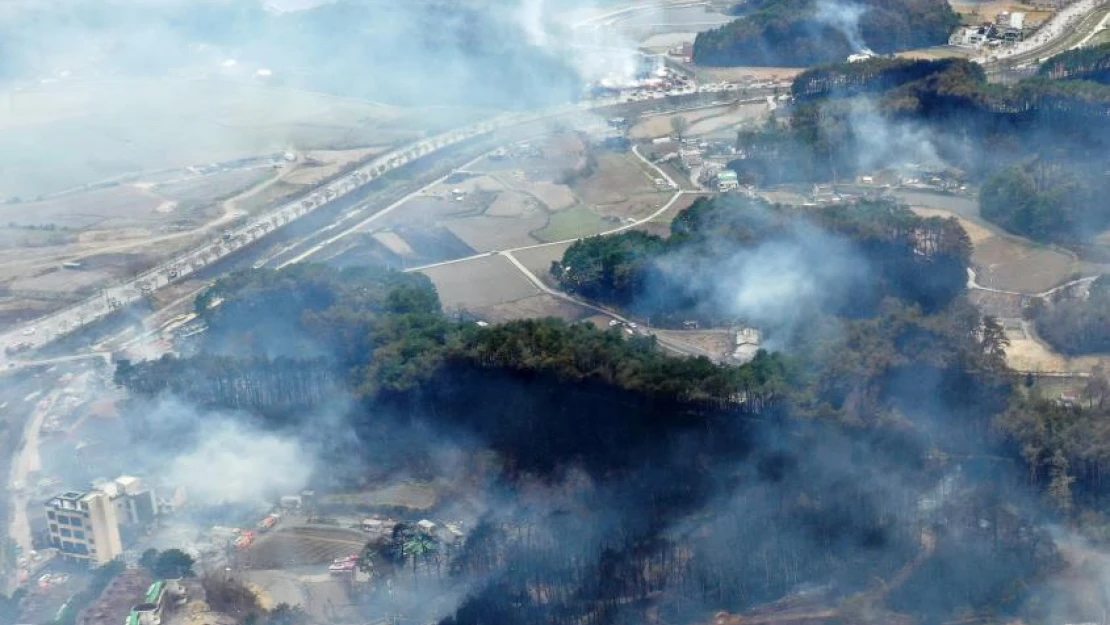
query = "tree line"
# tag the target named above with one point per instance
(919, 260)
(1085, 63)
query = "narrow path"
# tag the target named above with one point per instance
(679, 348)
(972, 283)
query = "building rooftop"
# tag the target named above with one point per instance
(68, 500)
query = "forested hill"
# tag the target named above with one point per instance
(381, 334)
(808, 32)
(1037, 147)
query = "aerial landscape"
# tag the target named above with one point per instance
(566, 312)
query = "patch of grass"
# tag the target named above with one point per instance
(572, 223)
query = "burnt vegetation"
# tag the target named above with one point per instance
(632, 482)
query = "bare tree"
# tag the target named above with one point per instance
(680, 125)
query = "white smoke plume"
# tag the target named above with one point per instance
(778, 285)
(233, 462)
(844, 17)
(885, 143)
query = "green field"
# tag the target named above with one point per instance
(572, 223)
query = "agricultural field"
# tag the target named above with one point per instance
(204, 191)
(979, 11)
(620, 180)
(408, 494)
(535, 307)
(652, 126)
(574, 223)
(660, 225)
(487, 234)
(747, 74)
(1002, 261)
(116, 207)
(477, 284)
(518, 199)
(538, 259)
(1032, 354)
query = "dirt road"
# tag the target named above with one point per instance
(25, 463)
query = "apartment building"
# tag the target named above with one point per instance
(83, 527)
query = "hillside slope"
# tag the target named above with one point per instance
(807, 32)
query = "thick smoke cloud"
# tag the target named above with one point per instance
(219, 457)
(779, 285)
(235, 463)
(884, 143)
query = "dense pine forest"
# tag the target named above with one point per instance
(807, 32)
(885, 441)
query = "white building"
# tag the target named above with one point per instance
(747, 344)
(134, 504)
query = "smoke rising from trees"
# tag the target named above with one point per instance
(843, 17)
